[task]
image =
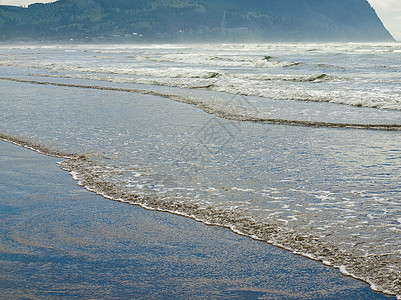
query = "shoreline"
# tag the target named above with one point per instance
(50, 221)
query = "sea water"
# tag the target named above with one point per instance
(298, 145)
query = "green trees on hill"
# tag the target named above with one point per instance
(175, 20)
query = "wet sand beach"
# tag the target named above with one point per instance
(58, 240)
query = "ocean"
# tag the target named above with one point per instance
(297, 145)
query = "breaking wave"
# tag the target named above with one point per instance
(267, 76)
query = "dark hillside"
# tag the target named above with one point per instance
(194, 20)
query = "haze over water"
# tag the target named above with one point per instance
(298, 145)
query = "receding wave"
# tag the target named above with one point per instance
(233, 113)
(89, 174)
(90, 171)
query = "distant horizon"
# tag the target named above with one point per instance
(389, 11)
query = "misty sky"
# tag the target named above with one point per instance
(388, 10)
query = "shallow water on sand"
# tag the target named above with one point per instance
(316, 178)
(59, 241)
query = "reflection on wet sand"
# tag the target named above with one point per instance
(60, 241)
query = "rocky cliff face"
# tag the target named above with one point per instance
(194, 20)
